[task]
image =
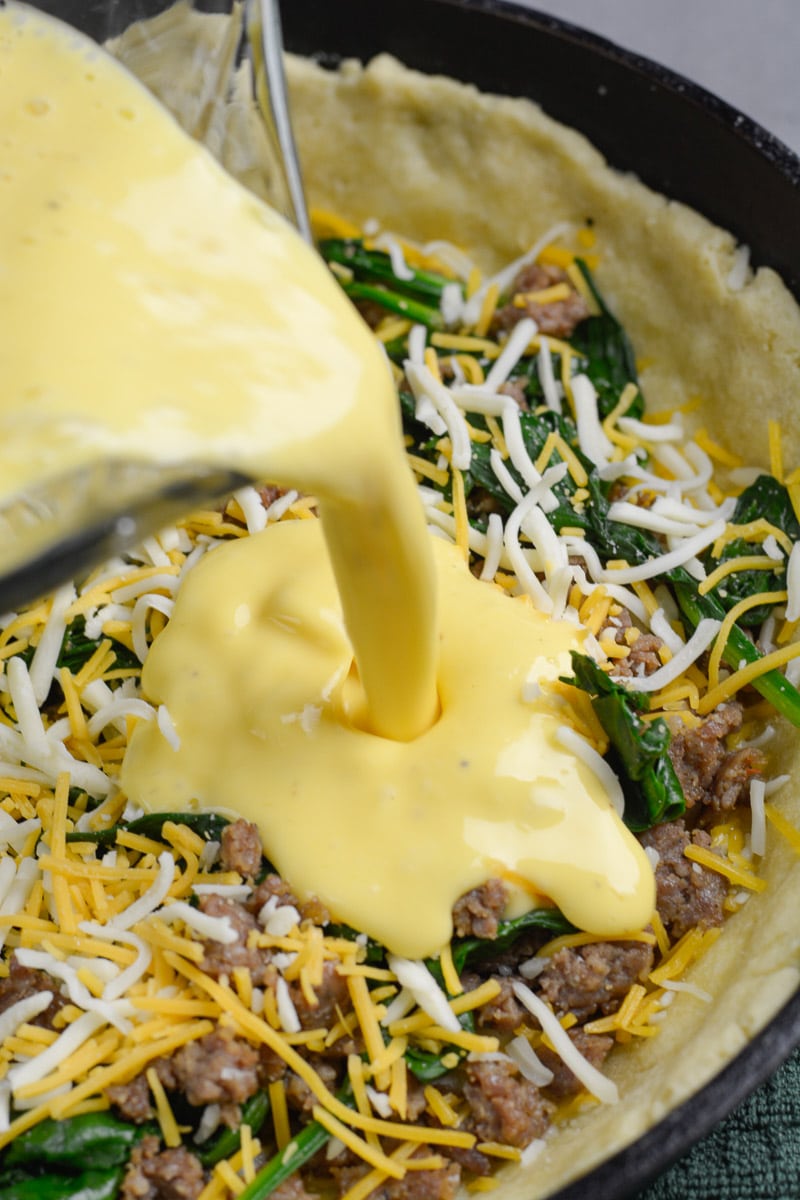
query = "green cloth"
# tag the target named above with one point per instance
(753, 1155)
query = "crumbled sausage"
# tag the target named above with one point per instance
(515, 388)
(643, 648)
(470, 1159)
(293, 1188)
(219, 1068)
(332, 996)
(132, 1100)
(241, 848)
(697, 754)
(481, 503)
(162, 1175)
(311, 909)
(220, 958)
(271, 1066)
(268, 493)
(415, 1099)
(731, 784)
(504, 963)
(271, 885)
(503, 1106)
(586, 979)
(593, 1046)
(556, 319)
(504, 1012)
(299, 1094)
(642, 657)
(687, 894)
(22, 982)
(372, 312)
(477, 913)
(417, 1185)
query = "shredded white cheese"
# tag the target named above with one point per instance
(255, 514)
(649, 518)
(73, 1037)
(578, 746)
(138, 619)
(544, 369)
(287, 1012)
(400, 268)
(494, 546)
(660, 563)
(122, 981)
(660, 626)
(521, 1052)
(281, 920)
(691, 989)
(43, 663)
(688, 653)
(593, 1080)
(217, 929)
(22, 1011)
(758, 827)
(673, 432)
(426, 387)
(591, 438)
(511, 353)
(415, 976)
(167, 727)
(400, 1007)
(150, 900)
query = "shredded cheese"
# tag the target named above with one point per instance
(598, 1084)
(119, 932)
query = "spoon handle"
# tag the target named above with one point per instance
(266, 46)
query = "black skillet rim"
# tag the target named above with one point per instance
(747, 155)
(633, 1167)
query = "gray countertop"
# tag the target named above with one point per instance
(746, 51)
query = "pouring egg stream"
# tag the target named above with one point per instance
(346, 684)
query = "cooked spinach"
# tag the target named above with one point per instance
(610, 361)
(77, 649)
(768, 499)
(374, 279)
(772, 685)
(300, 1150)
(469, 952)
(227, 1141)
(68, 1145)
(208, 825)
(50, 1161)
(638, 749)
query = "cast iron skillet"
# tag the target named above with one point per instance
(674, 135)
(677, 138)
(682, 141)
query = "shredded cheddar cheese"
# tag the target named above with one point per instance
(107, 915)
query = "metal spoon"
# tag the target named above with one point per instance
(265, 37)
(70, 523)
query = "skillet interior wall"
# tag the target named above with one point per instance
(433, 158)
